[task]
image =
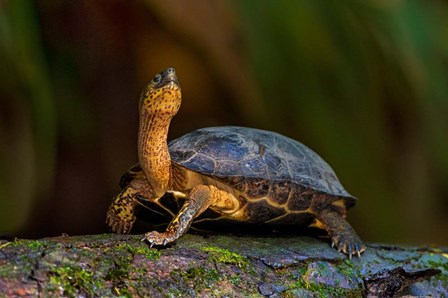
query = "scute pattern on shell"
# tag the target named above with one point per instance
(231, 151)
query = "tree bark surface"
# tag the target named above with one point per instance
(216, 266)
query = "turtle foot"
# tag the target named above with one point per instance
(156, 238)
(343, 237)
(348, 245)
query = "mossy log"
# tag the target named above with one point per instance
(216, 266)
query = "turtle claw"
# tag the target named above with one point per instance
(350, 247)
(156, 238)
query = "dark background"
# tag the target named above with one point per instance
(363, 83)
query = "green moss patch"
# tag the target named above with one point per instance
(221, 255)
(149, 253)
(70, 281)
(348, 268)
(322, 290)
(30, 244)
(200, 277)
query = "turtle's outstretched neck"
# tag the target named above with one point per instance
(158, 105)
(153, 152)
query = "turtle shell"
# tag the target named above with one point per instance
(248, 153)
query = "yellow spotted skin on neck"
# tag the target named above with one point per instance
(159, 103)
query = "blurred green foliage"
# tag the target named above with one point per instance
(28, 116)
(363, 83)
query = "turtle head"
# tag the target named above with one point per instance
(162, 96)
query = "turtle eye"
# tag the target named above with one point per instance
(157, 79)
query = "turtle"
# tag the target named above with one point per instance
(243, 175)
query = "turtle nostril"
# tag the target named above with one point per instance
(171, 70)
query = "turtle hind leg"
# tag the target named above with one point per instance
(342, 234)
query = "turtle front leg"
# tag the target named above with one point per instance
(200, 198)
(120, 216)
(342, 234)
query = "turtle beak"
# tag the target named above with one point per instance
(169, 76)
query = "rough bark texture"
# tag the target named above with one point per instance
(215, 266)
